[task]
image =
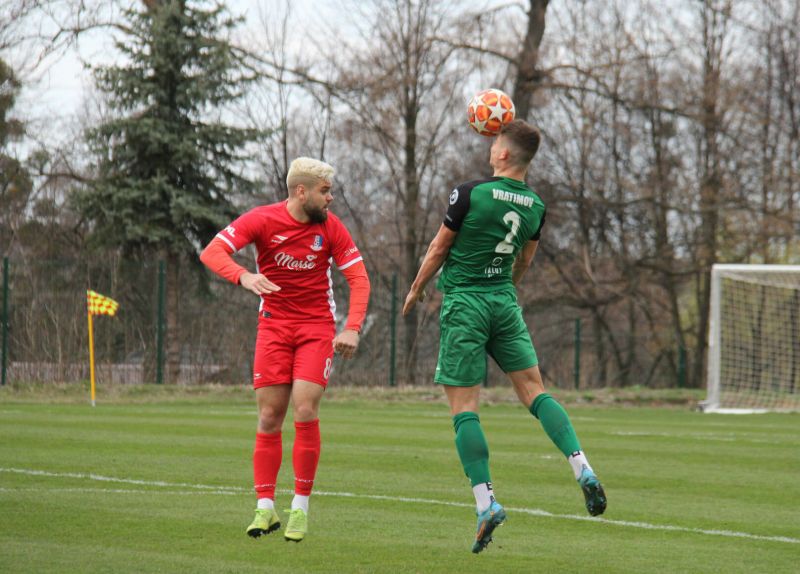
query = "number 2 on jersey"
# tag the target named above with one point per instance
(506, 246)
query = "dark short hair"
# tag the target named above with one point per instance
(523, 140)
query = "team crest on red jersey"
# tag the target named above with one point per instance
(317, 245)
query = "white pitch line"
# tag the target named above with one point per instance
(235, 490)
(122, 491)
(90, 476)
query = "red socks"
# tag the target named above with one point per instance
(266, 463)
(305, 456)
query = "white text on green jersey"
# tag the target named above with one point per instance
(503, 195)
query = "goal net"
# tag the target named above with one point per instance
(754, 339)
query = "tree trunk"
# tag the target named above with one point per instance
(411, 245)
(714, 27)
(529, 77)
(665, 252)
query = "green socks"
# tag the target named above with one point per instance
(555, 422)
(474, 452)
(472, 448)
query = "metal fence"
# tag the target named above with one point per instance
(44, 331)
(44, 326)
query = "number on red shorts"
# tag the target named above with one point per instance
(327, 372)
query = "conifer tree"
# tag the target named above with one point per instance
(15, 181)
(167, 164)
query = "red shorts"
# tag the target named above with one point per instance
(291, 350)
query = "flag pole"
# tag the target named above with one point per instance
(97, 304)
(91, 354)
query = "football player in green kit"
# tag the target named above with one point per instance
(486, 243)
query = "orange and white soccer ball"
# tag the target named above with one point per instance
(489, 110)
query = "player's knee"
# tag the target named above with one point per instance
(305, 412)
(270, 420)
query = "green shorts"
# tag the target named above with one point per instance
(476, 322)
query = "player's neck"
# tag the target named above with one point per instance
(297, 212)
(510, 172)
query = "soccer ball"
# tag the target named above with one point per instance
(488, 111)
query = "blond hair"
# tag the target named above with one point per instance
(308, 172)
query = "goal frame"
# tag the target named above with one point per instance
(712, 402)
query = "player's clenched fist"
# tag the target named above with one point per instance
(258, 284)
(346, 343)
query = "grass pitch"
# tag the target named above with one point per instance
(166, 487)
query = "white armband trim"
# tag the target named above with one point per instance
(228, 241)
(350, 263)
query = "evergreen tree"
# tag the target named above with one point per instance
(167, 164)
(15, 181)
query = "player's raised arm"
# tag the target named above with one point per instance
(434, 257)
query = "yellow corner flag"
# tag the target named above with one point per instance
(97, 305)
(100, 304)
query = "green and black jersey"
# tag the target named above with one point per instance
(494, 218)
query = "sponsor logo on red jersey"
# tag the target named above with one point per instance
(290, 262)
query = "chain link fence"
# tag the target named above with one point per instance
(45, 332)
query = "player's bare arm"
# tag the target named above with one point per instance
(523, 260)
(434, 258)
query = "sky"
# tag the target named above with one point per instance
(55, 91)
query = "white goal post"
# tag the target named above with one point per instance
(754, 339)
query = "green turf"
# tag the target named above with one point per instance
(660, 467)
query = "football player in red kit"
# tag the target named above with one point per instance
(298, 241)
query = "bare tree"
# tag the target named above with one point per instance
(399, 93)
(715, 17)
(529, 75)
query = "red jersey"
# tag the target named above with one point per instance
(297, 257)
